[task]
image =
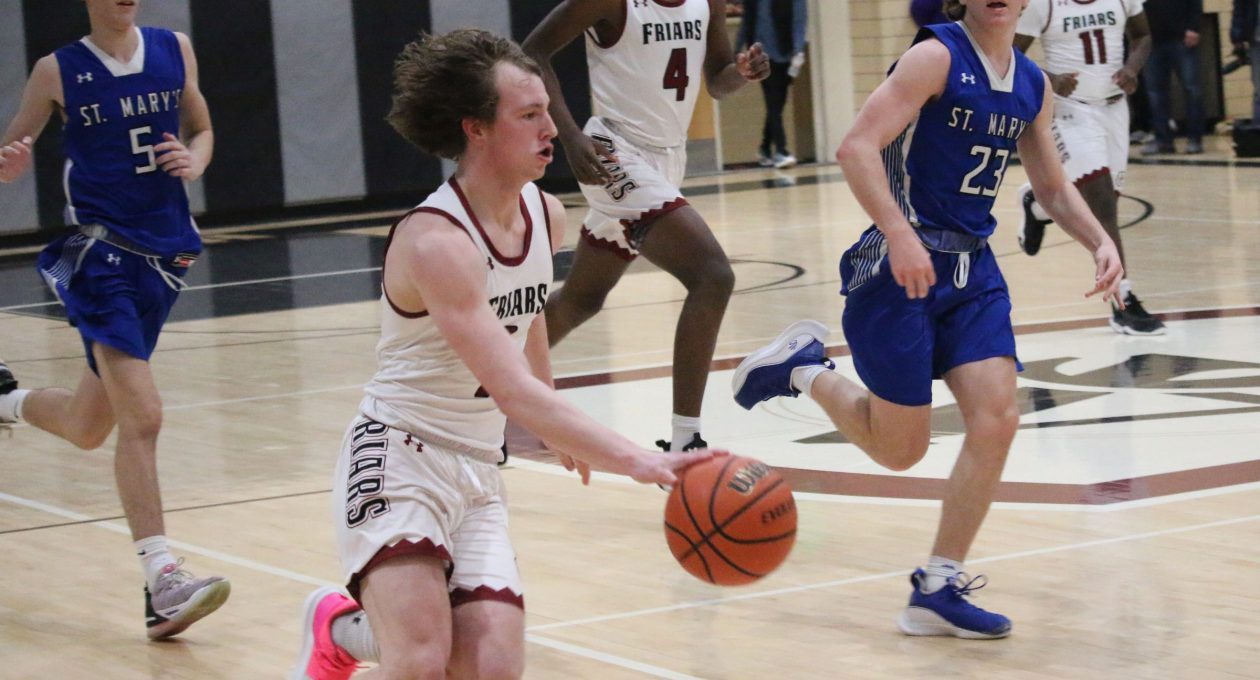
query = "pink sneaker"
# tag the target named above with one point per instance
(321, 658)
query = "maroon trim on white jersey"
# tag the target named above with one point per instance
(529, 228)
(1049, 18)
(390, 239)
(671, 3)
(542, 198)
(594, 35)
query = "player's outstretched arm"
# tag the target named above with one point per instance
(188, 155)
(725, 72)
(1063, 202)
(447, 276)
(565, 23)
(917, 77)
(40, 98)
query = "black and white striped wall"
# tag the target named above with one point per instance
(298, 91)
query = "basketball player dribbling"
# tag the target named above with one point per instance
(136, 128)
(645, 59)
(925, 296)
(421, 519)
(1087, 65)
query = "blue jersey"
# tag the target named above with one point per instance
(946, 167)
(116, 113)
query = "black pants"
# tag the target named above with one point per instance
(775, 90)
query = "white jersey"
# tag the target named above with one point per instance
(1084, 37)
(421, 385)
(647, 79)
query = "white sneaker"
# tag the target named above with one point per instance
(784, 160)
(179, 599)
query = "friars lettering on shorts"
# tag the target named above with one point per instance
(522, 301)
(620, 185)
(673, 30)
(366, 477)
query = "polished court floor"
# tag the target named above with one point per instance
(1123, 543)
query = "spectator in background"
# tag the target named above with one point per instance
(926, 12)
(779, 25)
(1175, 36)
(1244, 32)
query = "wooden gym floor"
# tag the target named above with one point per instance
(1123, 544)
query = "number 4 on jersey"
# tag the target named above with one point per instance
(676, 73)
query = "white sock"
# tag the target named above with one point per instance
(685, 430)
(939, 570)
(153, 557)
(803, 377)
(1126, 287)
(11, 406)
(353, 633)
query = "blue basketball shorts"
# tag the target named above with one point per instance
(900, 345)
(113, 296)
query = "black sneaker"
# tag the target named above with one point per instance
(695, 443)
(1034, 230)
(7, 382)
(1134, 319)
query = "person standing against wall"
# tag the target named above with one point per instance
(1244, 32)
(1175, 38)
(779, 25)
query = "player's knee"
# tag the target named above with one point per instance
(997, 424)
(713, 276)
(903, 453)
(91, 436)
(143, 423)
(420, 663)
(491, 667)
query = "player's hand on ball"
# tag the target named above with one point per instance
(753, 64)
(654, 468)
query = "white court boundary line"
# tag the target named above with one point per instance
(577, 650)
(611, 659)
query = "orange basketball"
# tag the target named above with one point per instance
(730, 520)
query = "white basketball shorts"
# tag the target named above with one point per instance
(1092, 138)
(644, 187)
(395, 495)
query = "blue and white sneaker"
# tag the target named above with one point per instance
(767, 372)
(947, 611)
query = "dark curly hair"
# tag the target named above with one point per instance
(439, 80)
(955, 10)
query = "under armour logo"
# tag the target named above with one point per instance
(967, 78)
(792, 345)
(84, 77)
(640, 3)
(113, 259)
